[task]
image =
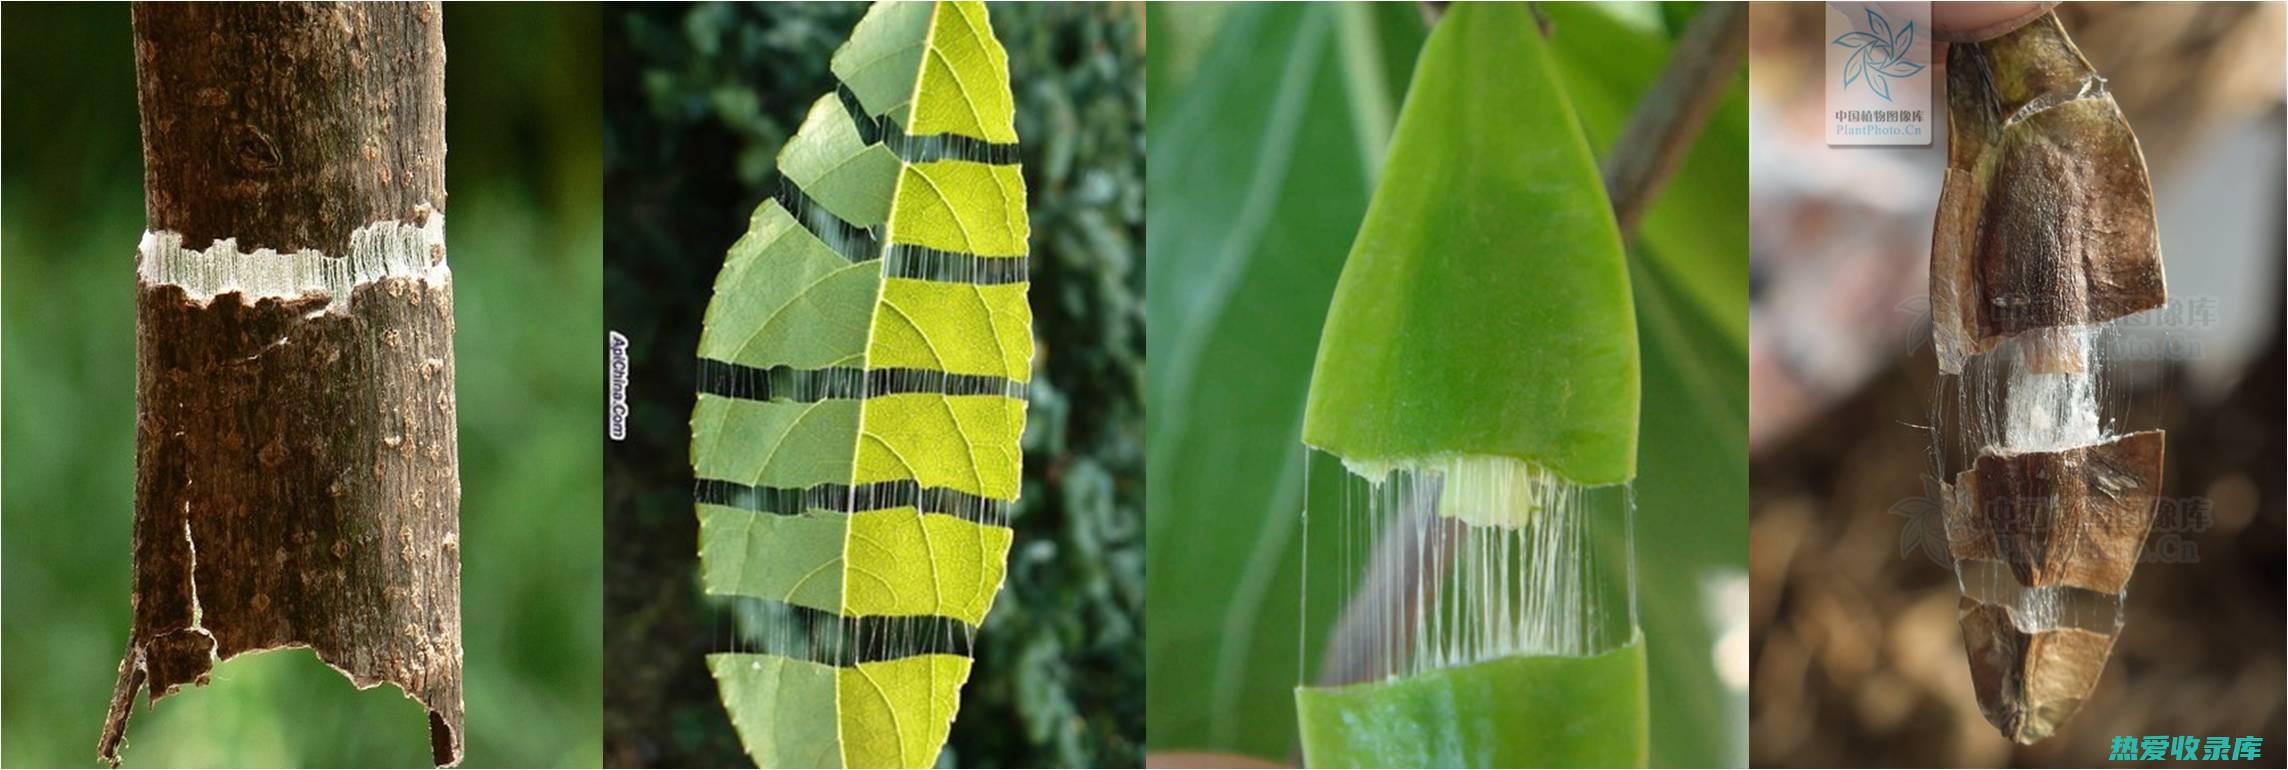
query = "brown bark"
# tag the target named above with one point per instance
(297, 477)
(289, 125)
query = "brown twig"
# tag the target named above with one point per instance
(1432, 11)
(1671, 115)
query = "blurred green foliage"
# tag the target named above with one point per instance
(1272, 120)
(526, 240)
(701, 97)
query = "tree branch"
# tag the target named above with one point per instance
(296, 455)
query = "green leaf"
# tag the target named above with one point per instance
(1485, 312)
(1524, 711)
(1484, 309)
(1689, 270)
(840, 170)
(1225, 475)
(862, 376)
(1248, 225)
(1697, 230)
(884, 56)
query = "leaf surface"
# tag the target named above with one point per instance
(1484, 309)
(862, 390)
(1689, 270)
(1524, 711)
(1229, 367)
(1247, 226)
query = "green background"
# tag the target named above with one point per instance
(700, 98)
(525, 236)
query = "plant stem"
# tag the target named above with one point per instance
(1674, 111)
(297, 461)
(289, 126)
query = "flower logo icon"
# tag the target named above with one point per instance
(1878, 54)
(1925, 527)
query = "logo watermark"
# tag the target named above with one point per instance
(617, 421)
(1878, 73)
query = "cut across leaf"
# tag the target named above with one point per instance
(1484, 334)
(1250, 224)
(862, 390)
(1485, 306)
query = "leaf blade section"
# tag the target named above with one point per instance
(863, 362)
(1485, 307)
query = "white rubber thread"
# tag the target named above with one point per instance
(386, 249)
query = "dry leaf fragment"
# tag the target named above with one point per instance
(2046, 215)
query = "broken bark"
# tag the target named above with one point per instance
(297, 477)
